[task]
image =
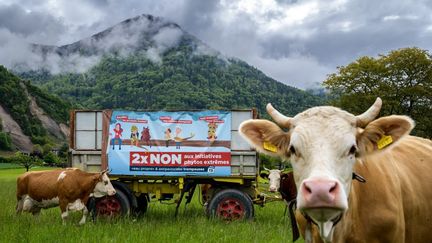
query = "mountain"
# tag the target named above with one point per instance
(149, 63)
(29, 115)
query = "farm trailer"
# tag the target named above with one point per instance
(156, 163)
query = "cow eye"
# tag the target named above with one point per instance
(353, 150)
(106, 183)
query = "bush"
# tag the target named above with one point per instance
(40, 140)
(51, 159)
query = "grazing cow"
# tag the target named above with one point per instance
(70, 188)
(328, 148)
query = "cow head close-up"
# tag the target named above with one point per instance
(323, 144)
(103, 186)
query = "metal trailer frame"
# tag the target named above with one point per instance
(227, 197)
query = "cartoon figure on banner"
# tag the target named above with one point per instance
(134, 135)
(145, 136)
(212, 126)
(178, 140)
(167, 136)
(118, 130)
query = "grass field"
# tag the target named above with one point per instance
(157, 225)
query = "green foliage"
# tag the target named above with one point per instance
(40, 140)
(51, 159)
(37, 151)
(5, 141)
(25, 160)
(52, 105)
(272, 162)
(184, 80)
(47, 148)
(15, 100)
(402, 78)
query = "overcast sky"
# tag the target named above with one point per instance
(295, 42)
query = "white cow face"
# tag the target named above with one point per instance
(274, 177)
(104, 186)
(322, 144)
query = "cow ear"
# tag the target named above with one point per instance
(97, 177)
(383, 133)
(266, 137)
(264, 175)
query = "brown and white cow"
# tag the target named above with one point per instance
(70, 188)
(326, 145)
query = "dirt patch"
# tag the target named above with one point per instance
(19, 139)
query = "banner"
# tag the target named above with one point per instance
(162, 143)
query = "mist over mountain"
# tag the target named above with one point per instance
(147, 62)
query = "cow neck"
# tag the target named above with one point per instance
(353, 200)
(88, 185)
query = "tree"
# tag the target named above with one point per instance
(25, 160)
(402, 78)
(51, 159)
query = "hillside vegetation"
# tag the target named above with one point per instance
(182, 81)
(16, 97)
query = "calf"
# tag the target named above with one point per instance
(70, 188)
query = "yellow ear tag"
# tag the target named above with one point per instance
(384, 141)
(269, 147)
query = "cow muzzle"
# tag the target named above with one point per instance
(322, 200)
(111, 192)
(273, 189)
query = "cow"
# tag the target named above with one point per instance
(274, 177)
(329, 148)
(68, 188)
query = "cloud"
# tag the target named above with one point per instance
(151, 36)
(33, 26)
(295, 42)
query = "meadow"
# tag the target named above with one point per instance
(157, 225)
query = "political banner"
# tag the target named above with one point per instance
(162, 143)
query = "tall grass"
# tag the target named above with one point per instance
(157, 225)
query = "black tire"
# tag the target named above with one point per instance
(231, 205)
(113, 206)
(142, 206)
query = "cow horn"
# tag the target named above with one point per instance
(104, 171)
(266, 168)
(370, 114)
(280, 119)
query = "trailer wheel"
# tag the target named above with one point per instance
(113, 206)
(231, 205)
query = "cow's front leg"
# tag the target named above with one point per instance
(19, 206)
(64, 211)
(85, 213)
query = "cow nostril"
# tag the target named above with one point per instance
(333, 188)
(308, 189)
